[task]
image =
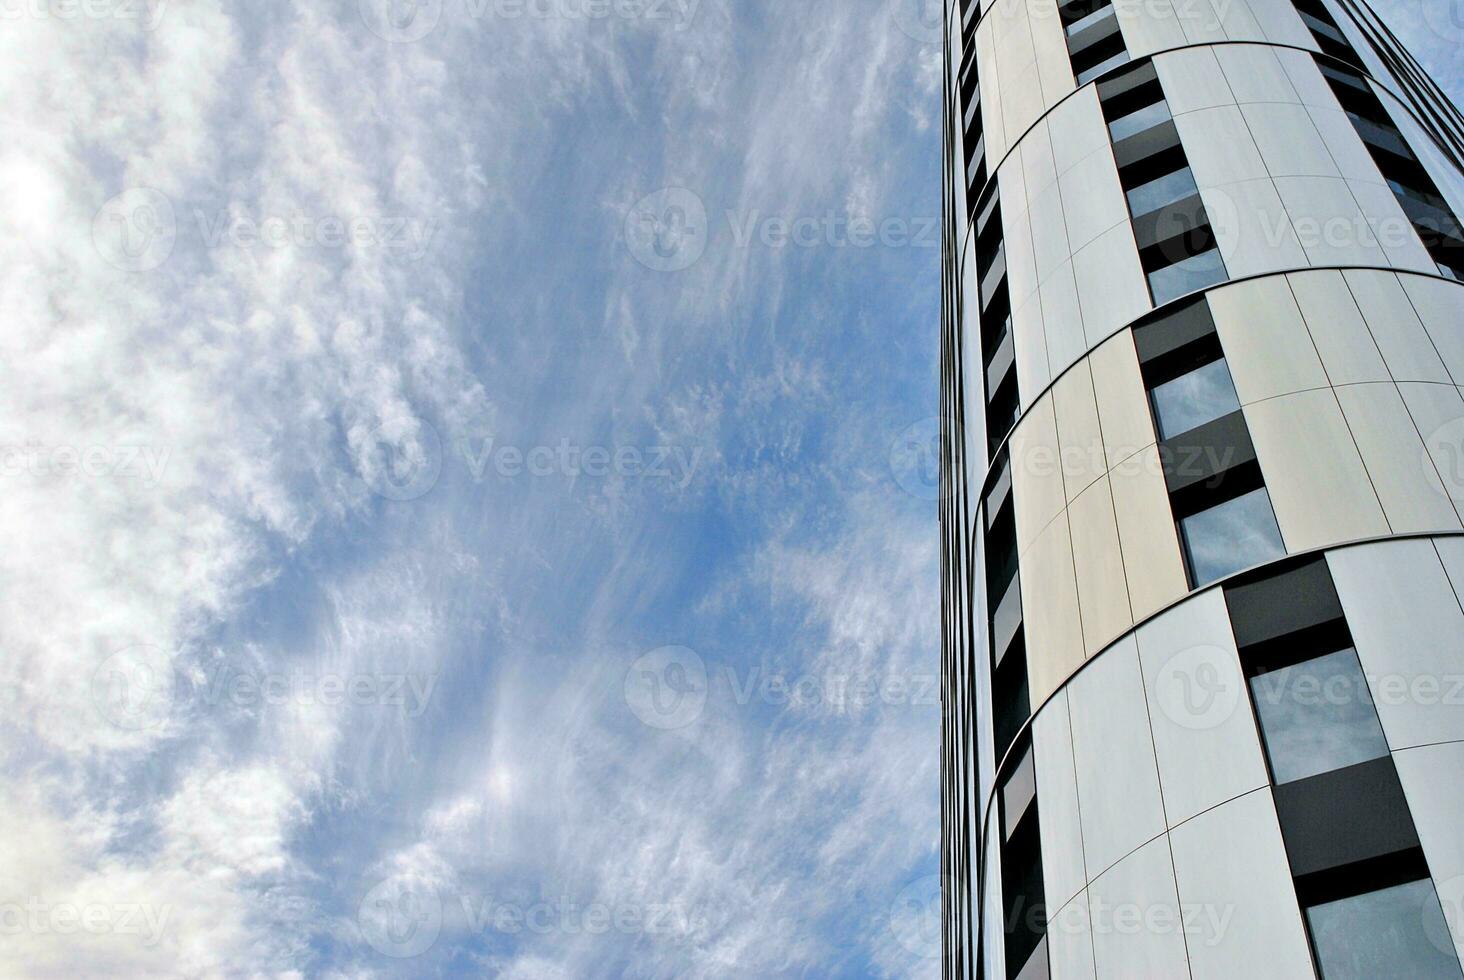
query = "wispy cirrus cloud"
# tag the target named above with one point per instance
(269, 266)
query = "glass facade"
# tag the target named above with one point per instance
(1317, 716)
(1190, 400)
(1231, 536)
(1392, 932)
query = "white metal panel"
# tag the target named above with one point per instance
(1049, 232)
(1054, 69)
(1252, 228)
(1391, 226)
(1201, 23)
(1267, 346)
(1305, 77)
(1451, 552)
(1254, 74)
(1318, 486)
(1038, 165)
(993, 122)
(1231, 870)
(1150, 27)
(1392, 450)
(1092, 199)
(1328, 222)
(1436, 798)
(1219, 147)
(1078, 129)
(1337, 328)
(1021, 261)
(1236, 20)
(1012, 183)
(1063, 872)
(1102, 591)
(1281, 24)
(1123, 405)
(1440, 305)
(1345, 146)
(1204, 735)
(1406, 346)
(1110, 283)
(1078, 433)
(1152, 562)
(1438, 412)
(1141, 885)
(1030, 342)
(1070, 941)
(1118, 782)
(1064, 317)
(1037, 484)
(1192, 80)
(1023, 97)
(1406, 624)
(1288, 140)
(1050, 611)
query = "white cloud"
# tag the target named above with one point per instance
(234, 397)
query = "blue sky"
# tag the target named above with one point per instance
(330, 629)
(460, 508)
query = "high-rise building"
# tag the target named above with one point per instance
(1202, 505)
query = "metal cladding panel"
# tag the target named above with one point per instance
(1063, 871)
(1118, 780)
(1436, 798)
(1406, 623)
(1143, 882)
(1314, 473)
(1267, 346)
(1349, 353)
(1205, 739)
(1247, 923)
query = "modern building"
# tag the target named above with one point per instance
(1202, 505)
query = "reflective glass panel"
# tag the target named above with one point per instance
(1393, 932)
(1195, 272)
(1317, 716)
(1164, 190)
(1192, 399)
(1231, 536)
(1085, 77)
(1136, 122)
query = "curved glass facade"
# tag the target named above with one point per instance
(1202, 505)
